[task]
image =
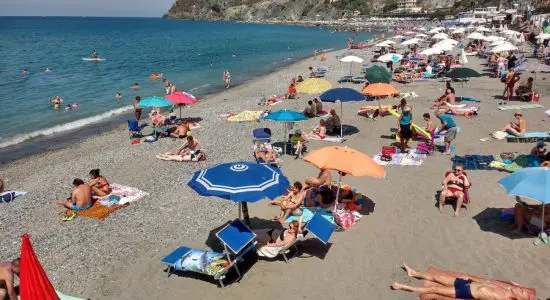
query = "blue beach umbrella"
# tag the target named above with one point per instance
(286, 116)
(532, 183)
(154, 102)
(240, 182)
(342, 94)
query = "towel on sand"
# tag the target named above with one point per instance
(505, 284)
(98, 211)
(127, 194)
(246, 116)
(8, 196)
(332, 139)
(402, 159)
(474, 162)
(519, 106)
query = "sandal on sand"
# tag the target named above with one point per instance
(68, 216)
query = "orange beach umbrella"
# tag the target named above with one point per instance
(379, 90)
(346, 161)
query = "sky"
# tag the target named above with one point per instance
(103, 8)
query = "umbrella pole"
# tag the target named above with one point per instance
(350, 64)
(246, 217)
(542, 220)
(180, 110)
(342, 118)
(240, 210)
(338, 190)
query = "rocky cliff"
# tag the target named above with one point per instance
(296, 10)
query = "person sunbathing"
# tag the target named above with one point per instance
(8, 271)
(190, 144)
(460, 288)
(181, 130)
(81, 196)
(269, 241)
(516, 128)
(320, 131)
(323, 197)
(99, 184)
(192, 155)
(264, 152)
(529, 214)
(323, 178)
(454, 185)
(156, 118)
(290, 203)
(446, 108)
(310, 110)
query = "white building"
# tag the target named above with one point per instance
(407, 6)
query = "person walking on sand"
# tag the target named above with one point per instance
(8, 271)
(460, 288)
(226, 78)
(511, 79)
(137, 109)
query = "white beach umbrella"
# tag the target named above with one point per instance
(409, 33)
(420, 29)
(448, 41)
(482, 28)
(393, 57)
(440, 36)
(498, 43)
(492, 38)
(434, 30)
(421, 35)
(475, 36)
(511, 32)
(463, 58)
(504, 48)
(444, 47)
(522, 38)
(431, 51)
(459, 30)
(412, 41)
(397, 37)
(351, 59)
(471, 27)
(382, 44)
(388, 42)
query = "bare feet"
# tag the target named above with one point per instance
(456, 214)
(396, 286)
(440, 208)
(410, 272)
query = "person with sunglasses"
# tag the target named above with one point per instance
(454, 185)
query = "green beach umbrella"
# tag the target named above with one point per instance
(377, 74)
(463, 73)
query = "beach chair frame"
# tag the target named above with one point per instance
(134, 128)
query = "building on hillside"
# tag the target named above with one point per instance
(407, 6)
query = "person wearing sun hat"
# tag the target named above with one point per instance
(539, 150)
(517, 128)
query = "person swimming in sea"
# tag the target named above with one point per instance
(135, 86)
(47, 70)
(56, 102)
(69, 106)
(25, 71)
(118, 95)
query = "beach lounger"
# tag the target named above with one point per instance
(237, 240)
(529, 137)
(466, 193)
(520, 106)
(347, 78)
(134, 128)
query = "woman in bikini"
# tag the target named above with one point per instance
(320, 131)
(100, 185)
(271, 240)
(516, 128)
(454, 185)
(290, 203)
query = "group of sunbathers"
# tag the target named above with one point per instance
(189, 151)
(82, 193)
(447, 104)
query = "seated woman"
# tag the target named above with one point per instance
(181, 130)
(290, 203)
(530, 214)
(100, 185)
(525, 88)
(156, 118)
(264, 152)
(323, 197)
(297, 140)
(291, 91)
(271, 241)
(320, 131)
(454, 185)
(516, 128)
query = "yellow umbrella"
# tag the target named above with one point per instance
(313, 86)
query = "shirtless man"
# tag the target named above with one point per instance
(181, 130)
(461, 288)
(323, 178)
(190, 144)
(7, 272)
(81, 196)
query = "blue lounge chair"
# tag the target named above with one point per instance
(237, 240)
(134, 128)
(262, 135)
(321, 227)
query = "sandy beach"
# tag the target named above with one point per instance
(119, 258)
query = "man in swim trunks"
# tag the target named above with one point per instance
(181, 130)
(81, 196)
(454, 185)
(323, 178)
(460, 288)
(8, 271)
(137, 110)
(448, 124)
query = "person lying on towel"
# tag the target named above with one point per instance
(460, 288)
(264, 151)
(271, 241)
(8, 271)
(81, 196)
(324, 197)
(290, 203)
(531, 214)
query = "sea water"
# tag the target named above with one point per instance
(191, 54)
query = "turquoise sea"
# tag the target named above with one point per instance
(192, 54)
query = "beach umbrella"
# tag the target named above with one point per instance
(382, 44)
(412, 41)
(241, 182)
(154, 102)
(491, 38)
(497, 43)
(33, 281)
(379, 90)
(443, 46)
(342, 95)
(440, 36)
(459, 30)
(434, 30)
(532, 183)
(285, 116)
(389, 42)
(421, 35)
(463, 73)
(448, 41)
(420, 28)
(313, 86)
(398, 37)
(351, 59)
(431, 51)
(475, 36)
(504, 48)
(409, 33)
(393, 57)
(376, 74)
(181, 98)
(482, 28)
(346, 161)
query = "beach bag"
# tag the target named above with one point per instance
(344, 218)
(7, 197)
(389, 150)
(536, 97)
(499, 135)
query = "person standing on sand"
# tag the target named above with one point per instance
(137, 110)
(7, 284)
(461, 288)
(226, 78)
(447, 123)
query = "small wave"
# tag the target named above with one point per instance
(5, 142)
(200, 87)
(327, 50)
